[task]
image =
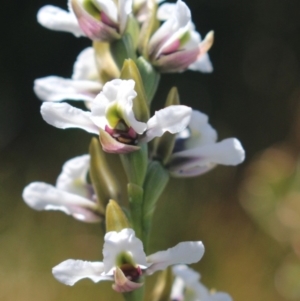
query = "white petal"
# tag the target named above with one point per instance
(184, 252)
(55, 18)
(199, 160)
(73, 176)
(203, 64)
(54, 88)
(62, 115)
(178, 288)
(198, 133)
(172, 119)
(71, 271)
(165, 11)
(85, 67)
(187, 277)
(42, 196)
(227, 152)
(125, 241)
(187, 274)
(109, 8)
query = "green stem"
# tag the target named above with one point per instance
(135, 196)
(135, 165)
(136, 295)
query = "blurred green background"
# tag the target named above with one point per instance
(253, 95)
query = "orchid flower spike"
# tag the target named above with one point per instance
(124, 261)
(196, 150)
(84, 85)
(187, 286)
(101, 20)
(112, 114)
(176, 46)
(71, 194)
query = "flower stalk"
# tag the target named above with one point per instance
(134, 42)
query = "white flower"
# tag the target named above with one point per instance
(176, 46)
(71, 194)
(112, 114)
(125, 261)
(187, 286)
(83, 86)
(102, 20)
(196, 150)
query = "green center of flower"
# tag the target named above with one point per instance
(130, 269)
(115, 117)
(125, 258)
(184, 38)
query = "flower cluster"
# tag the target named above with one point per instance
(133, 43)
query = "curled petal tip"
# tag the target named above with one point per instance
(110, 145)
(123, 284)
(207, 43)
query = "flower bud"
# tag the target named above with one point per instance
(115, 217)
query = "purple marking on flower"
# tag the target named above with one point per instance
(106, 20)
(171, 48)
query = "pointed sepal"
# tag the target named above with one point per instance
(148, 28)
(123, 49)
(149, 76)
(173, 97)
(133, 29)
(106, 65)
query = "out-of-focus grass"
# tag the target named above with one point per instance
(239, 258)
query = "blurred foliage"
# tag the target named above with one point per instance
(271, 194)
(251, 95)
